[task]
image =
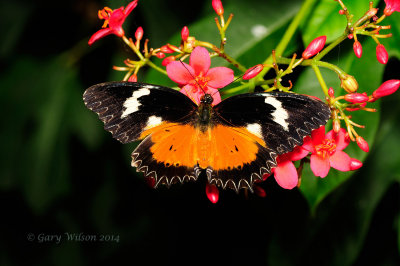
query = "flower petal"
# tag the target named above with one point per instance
(130, 7)
(319, 166)
(200, 60)
(99, 34)
(340, 138)
(220, 77)
(298, 153)
(340, 161)
(180, 72)
(286, 175)
(192, 92)
(318, 135)
(308, 144)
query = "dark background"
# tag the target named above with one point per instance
(62, 173)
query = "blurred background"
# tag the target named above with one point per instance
(61, 173)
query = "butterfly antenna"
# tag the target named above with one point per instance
(194, 78)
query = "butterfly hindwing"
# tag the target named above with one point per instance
(129, 108)
(282, 120)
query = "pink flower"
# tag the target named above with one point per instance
(113, 20)
(391, 6)
(285, 172)
(198, 78)
(314, 47)
(327, 151)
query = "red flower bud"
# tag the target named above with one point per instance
(132, 78)
(168, 60)
(167, 49)
(331, 92)
(185, 33)
(139, 33)
(252, 72)
(342, 12)
(212, 193)
(357, 48)
(218, 8)
(355, 164)
(356, 97)
(314, 47)
(160, 55)
(362, 144)
(381, 54)
(388, 87)
(151, 182)
(260, 191)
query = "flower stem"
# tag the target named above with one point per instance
(222, 54)
(133, 47)
(159, 69)
(310, 62)
(321, 80)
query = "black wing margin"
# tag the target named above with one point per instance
(282, 119)
(126, 107)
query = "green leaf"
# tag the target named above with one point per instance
(255, 30)
(326, 20)
(368, 73)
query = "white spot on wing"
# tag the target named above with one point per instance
(153, 121)
(279, 115)
(132, 104)
(255, 129)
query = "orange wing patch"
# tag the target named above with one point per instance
(232, 148)
(220, 147)
(174, 145)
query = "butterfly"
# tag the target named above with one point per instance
(234, 142)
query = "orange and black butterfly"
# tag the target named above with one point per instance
(235, 142)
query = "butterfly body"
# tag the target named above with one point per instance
(235, 142)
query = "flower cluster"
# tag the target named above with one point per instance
(322, 150)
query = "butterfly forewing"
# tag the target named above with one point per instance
(282, 120)
(129, 108)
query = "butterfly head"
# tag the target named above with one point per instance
(206, 98)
